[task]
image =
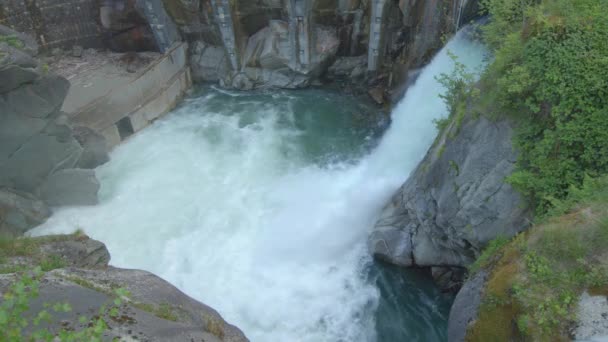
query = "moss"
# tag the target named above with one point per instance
(13, 41)
(536, 279)
(215, 326)
(162, 310)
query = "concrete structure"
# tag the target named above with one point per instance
(223, 13)
(119, 106)
(376, 35)
(300, 24)
(164, 30)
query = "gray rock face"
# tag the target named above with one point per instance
(455, 202)
(208, 62)
(466, 307)
(20, 212)
(70, 187)
(154, 310)
(592, 318)
(37, 142)
(94, 148)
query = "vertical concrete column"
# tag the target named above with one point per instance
(223, 14)
(300, 25)
(376, 33)
(164, 30)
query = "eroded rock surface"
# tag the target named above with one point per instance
(456, 200)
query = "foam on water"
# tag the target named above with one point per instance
(222, 202)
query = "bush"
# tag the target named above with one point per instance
(551, 73)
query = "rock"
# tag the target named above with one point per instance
(70, 187)
(455, 201)
(13, 76)
(12, 55)
(377, 94)
(95, 149)
(76, 250)
(28, 167)
(269, 48)
(449, 279)
(347, 66)
(592, 318)
(466, 307)
(30, 46)
(154, 310)
(77, 51)
(208, 62)
(20, 212)
(38, 99)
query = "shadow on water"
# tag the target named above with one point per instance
(411, 307)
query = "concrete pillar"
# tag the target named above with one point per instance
(376, 35)
(164, 30)
(224, 16)
(300, 38)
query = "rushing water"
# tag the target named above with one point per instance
(259, 205)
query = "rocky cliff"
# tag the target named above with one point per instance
(77, 273)
(455, 201)
(293, 43)
(43, 158)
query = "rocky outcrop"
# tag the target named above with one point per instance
(40, 152)
(20, 212)
(153, 309)
(465, 308)
(456, 200)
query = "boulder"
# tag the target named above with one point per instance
(456, 200)
(94, 148)
(13, 76)
(20, 212)
(347, 67)
(12, 55)
(269, 48)
(28, 167)
(465, 309)
(69, 187)
(28, 43)
(38, 99)
(208, 62)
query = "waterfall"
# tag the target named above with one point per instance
(259, 204)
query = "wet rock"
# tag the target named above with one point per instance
(20, 212)
(70, 187)
(456, 201)
(448, 279)
(12, 55)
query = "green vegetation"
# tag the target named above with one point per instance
(12, 41)
(536, 279)
(29, 250)
(16, 302)
(550, 74)
(163, 310)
